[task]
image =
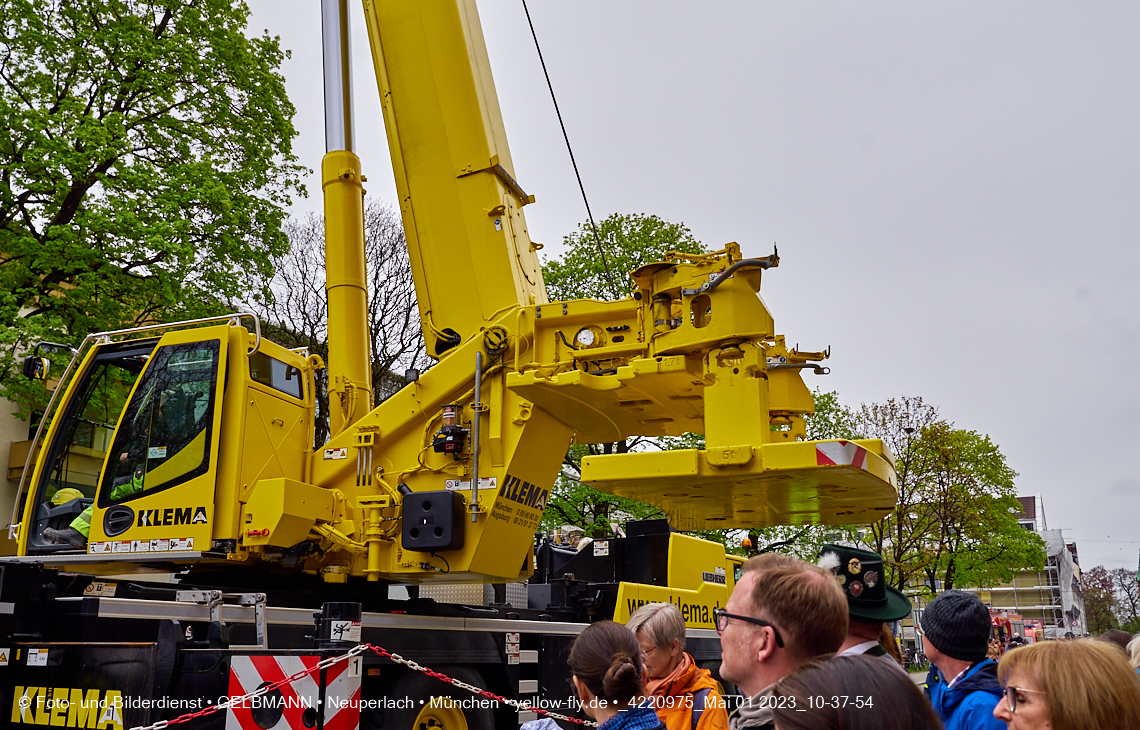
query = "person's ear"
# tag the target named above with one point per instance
(765, 645)
(675, 649)
(583, 693)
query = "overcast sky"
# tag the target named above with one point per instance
(953, 188)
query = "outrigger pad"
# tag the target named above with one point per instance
(797, 483)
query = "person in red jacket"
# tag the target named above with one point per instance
(684, 695)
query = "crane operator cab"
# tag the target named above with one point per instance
(135, 446)
(163, 436)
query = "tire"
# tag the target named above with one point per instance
(420, 688)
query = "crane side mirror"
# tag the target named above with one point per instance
(36, 368)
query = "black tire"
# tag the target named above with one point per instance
(420, 689)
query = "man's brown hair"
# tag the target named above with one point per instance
(803, 602)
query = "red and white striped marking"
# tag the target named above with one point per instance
(837, 453)
(342, 695)
(341, 706)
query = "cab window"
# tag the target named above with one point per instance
(76, 455)
(276, 374)
(164, 437)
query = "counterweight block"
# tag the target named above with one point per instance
(797, 483)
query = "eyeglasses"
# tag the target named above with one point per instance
(722, 616)
(1011, 696)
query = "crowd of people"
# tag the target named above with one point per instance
(807, 647)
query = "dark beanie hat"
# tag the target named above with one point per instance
(958, 625)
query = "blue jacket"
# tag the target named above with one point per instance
(969, 705)
(635, 718)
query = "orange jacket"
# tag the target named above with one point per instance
(674, 704)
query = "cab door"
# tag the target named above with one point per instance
(156, 491)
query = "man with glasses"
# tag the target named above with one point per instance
(962, 684)
(782, 612)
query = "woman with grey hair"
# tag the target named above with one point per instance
(684, 695)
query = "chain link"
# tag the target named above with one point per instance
(379, 651)
(356, 651)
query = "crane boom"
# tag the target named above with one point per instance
(471, 254)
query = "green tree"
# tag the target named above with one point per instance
(831, 420)
(955, 516)
(145, 164)
(1100, 599)
(900, 536)
(974, 537)
(630, 241)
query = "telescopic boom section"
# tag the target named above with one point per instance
(350, 362)
(461, 203)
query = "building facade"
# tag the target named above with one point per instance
(1049, 599)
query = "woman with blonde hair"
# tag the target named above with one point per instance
(1068, 685)
(684, 695)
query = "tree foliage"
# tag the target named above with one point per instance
(1112, 599)
(629, 241)
(975, 538)
(295, 307)
(1126, 591)
(955, 519)
(1100, 599)
(145, 163)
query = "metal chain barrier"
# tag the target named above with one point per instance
(379, 651)
(355, 651)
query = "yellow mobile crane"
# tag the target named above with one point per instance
(210, 465)
(214, 442)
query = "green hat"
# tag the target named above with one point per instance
(860, 574)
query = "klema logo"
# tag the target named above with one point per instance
(524, 493)
(68, 707)
(692, 613)
(172, 516)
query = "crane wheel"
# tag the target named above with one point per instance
(436, 705)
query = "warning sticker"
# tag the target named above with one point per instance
(159, 545)
(345, 631)
(100, 589)
(37, 657)
(601, 547)
(4, 653)
(484, 483)
(341, 453)
(156, 452)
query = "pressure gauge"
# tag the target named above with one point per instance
(585, 337)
